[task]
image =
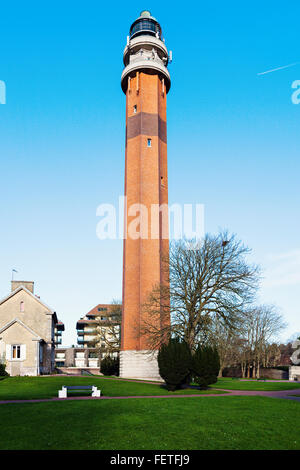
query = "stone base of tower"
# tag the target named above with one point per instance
(139, 365)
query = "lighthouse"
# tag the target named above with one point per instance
(145, 81)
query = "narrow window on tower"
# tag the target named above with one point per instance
(149, 142)
(135, 109)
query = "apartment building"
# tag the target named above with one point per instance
(100, 328)
(59, 328)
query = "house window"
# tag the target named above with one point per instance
(134, 109)
(149, 142)
(16, 351)
(22, 306)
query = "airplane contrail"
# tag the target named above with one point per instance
(278, 68)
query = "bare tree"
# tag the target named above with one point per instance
(208, 280)
(228, 342)
(249, 345)
(242, 355)
(286, 351)
(261, 325)
(272, 355)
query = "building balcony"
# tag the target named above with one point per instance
(94, 362)
(90, 339)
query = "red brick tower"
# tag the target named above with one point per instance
(146, 82)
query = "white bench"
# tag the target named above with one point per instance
(64, 390)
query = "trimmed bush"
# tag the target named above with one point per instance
(205, 366)
(284, 368)
(109, 366)
(3, 372)
(174, 360)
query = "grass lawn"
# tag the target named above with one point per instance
(233, 384)
(25, 388)
(153, 423)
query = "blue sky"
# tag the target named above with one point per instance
(233, 140)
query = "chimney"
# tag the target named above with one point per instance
(29, 285)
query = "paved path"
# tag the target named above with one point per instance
(265, 380)
(271, 394)
(286, 394)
